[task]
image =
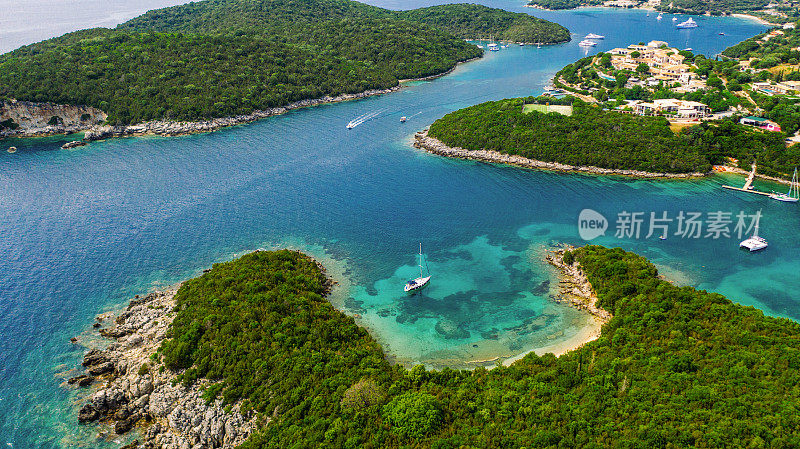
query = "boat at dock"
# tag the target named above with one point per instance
(421, 281)
(594, 36)
(754, 243)
(493, 47)
(793, 195)
(687, 24)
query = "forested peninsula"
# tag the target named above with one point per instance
(605, 142)
(256, 341)
(226, 58)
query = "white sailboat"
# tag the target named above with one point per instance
(794, 191)
(755, 242)
(421, 281)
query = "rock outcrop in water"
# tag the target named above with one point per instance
(131, 393)
(432, 145)
(27, 119)
(574, 287)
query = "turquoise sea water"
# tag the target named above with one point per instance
(84, 230)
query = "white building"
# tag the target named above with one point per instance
(680, 108)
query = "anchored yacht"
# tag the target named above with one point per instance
(793, 195)
(421, 281)
(755, 242)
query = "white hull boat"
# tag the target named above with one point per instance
(585, 43)
(594, 36)
(687, 24)
(793, 195)
(754, 243)
(421, 281)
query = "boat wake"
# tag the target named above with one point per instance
(362, 118)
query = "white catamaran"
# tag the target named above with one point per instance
(754, 243)
(794, 191)
(421, 281)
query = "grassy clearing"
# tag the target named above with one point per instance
(563, 110)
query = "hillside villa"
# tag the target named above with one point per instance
(670, 106)
(783, 88)
(664, 63)
(760, 122)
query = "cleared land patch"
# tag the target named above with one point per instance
(561, 109)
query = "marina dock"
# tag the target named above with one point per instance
(746, 190)
(748, 185)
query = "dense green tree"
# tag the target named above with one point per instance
(674, 367)
(218, 58)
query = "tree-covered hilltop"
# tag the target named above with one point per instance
(218, 58)
(714, 7)
(563, 4)
(140, 76)
(675, 367)
(464, 20)
(589, 136)
(614, 140)
(471, 21)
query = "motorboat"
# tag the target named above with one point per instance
(594, 36)
(587, 43)
(687, 24)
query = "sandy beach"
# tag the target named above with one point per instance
(757, 19)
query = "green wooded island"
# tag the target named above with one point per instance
(674, 367)
(223, 58)
(772, 11)
(538, 129)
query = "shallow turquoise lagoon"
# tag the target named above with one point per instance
(84, 230)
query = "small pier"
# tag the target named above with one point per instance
(748, 185)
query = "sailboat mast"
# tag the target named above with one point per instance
(420, 259)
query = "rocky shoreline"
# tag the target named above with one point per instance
(131, 392)
(574, 287)
(172, 128)
(169, 128)
(432, 145)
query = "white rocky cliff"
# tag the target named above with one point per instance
(133, 393)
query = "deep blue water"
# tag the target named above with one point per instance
(84, 230)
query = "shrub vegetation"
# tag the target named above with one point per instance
(675, 367)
